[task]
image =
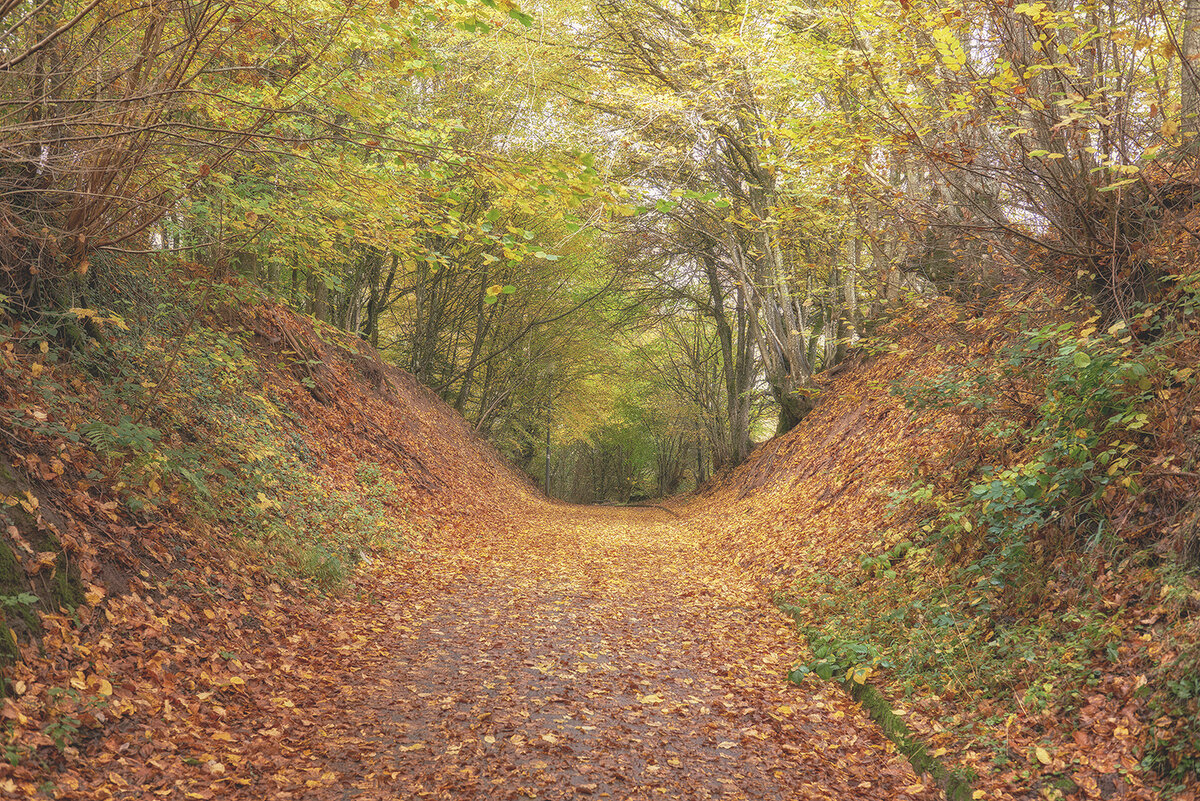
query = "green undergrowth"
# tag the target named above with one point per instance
(1020, 579)
(932, 640)
(175, 412)
(955, 782)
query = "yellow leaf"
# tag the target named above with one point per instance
(859, 675)
(106, 688)
(1034, 11)
(951, 51)
(651, 699)
(1042, 755)
(94, 594)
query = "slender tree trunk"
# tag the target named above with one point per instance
(734, 443)
(320, 300)
(483, 325)
(1190, 73)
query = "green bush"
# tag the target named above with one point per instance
(1072, 404)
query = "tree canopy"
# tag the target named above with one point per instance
(630, 228)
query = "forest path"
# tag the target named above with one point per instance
(591, 652)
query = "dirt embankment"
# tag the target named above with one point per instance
(156, 544)
(181, 653)
(1070, 684)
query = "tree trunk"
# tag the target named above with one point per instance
(483, 324)
(795, 403)
(320, 297)
(1190, 73)
(734, 446)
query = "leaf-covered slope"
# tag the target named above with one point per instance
(505, 647)
(1067, 675)
(161, 525)
(355, 407)
(822, 489)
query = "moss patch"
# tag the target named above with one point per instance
(13, 616)
(12, 578)
(66, 590)
(20, 596)
(954, 782)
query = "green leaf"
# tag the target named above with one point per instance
(1117, 185)
(1082, 360)
(521, 17)
(475, 25)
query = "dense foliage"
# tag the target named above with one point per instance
(627, 241)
